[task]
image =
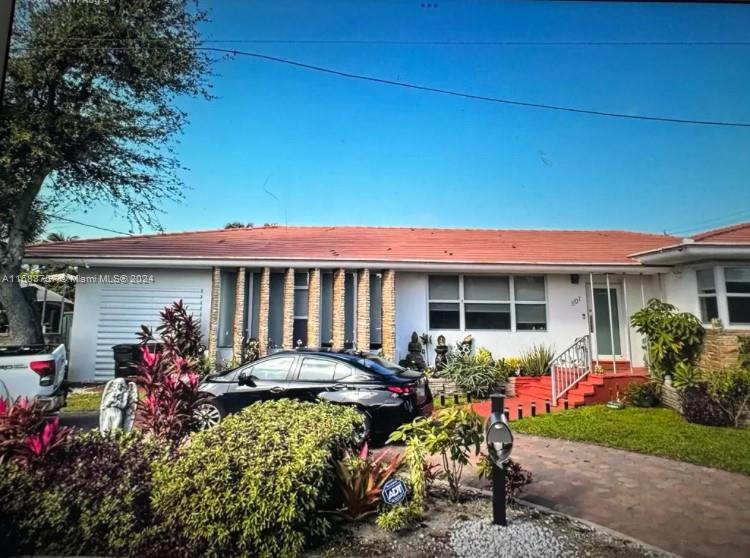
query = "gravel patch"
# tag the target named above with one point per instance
(465, 530)
(522, 538)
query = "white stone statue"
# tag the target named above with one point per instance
(117, 410)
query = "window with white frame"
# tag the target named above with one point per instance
(445, 302)
(707, 295)
(737, 282)
(530, 303)
(485, 302)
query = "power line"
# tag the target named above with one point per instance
(450, 92)
(87, 225)
(713, 222)
(472, 96)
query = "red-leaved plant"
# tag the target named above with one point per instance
(169, 375)
(180, 334)
(26, 434)
(361, 479)
(170, 394)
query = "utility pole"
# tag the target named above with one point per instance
(7, 9)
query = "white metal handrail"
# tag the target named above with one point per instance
(570, 367)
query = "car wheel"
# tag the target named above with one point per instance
(365, 430)
(209, 413)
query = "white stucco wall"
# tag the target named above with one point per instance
(108, 313)
(680, 287)
(567, 316)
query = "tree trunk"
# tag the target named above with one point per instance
(25, 326)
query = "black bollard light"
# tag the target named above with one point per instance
(499, 445)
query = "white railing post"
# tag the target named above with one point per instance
(627, 318)
(611, 326)
(593, 315)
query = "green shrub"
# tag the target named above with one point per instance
(406, 514)
(646, 394)
(743, 351)
(90, 496)
(453, 434)
(686, 375)
(671, 336)
(476, 374)
(536, 360)
(730, 388)
(256, 483)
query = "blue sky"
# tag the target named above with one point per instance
(337, 151)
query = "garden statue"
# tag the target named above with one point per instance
(117, 411)
(464, 347)
(250, 350)
(441, 353)
(415, 359)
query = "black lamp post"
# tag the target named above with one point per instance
(499, 446)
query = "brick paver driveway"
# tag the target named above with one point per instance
(685, 509)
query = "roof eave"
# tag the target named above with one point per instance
(411, 265)
(693, 253)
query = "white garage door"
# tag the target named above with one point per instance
(124, 308)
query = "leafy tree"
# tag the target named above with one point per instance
(59, 237)
(88, 114)
(237, 225)
(672, 337)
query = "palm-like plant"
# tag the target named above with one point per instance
(361, 479)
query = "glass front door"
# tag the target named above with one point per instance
(604, 334)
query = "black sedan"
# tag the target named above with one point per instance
(386, 394)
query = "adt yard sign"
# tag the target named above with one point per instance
(394, 491)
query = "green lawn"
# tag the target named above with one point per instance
(656, 431)
(83, 401)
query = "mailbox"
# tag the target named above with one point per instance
(499, 438)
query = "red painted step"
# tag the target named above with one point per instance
(593, 389)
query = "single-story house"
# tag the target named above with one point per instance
(371, 287)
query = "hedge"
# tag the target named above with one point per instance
(89, 497)
(255, 484)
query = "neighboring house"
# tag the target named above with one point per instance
(371, 287)
(51, 308)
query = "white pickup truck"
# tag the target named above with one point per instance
(35, 372)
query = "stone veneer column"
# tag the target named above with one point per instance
(313, 309)
(287, 336)
(389, 314)
(239, 315)
(339, 315)
(263, 308)
(213, 320)
(363, 311)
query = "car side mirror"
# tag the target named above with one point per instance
(246, 379)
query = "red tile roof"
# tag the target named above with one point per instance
(734, 234)
(370, 244)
